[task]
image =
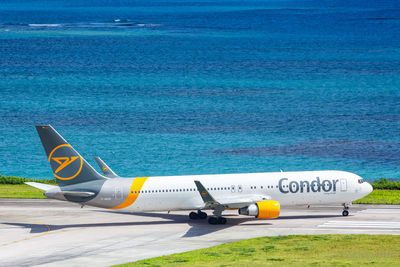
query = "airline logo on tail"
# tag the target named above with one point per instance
(65, 162)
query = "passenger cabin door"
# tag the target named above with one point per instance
(118, 193)
(343, 185)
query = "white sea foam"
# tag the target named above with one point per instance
(147, 25)
(44, 25)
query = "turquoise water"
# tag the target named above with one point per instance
(177, 87)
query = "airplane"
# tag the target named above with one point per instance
(254, 194)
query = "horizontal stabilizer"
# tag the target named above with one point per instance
(41, 186)
(56, 191)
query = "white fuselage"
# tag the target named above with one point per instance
(180, 192)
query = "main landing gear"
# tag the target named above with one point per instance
(198, 215)
(218, 219)
(346, 207)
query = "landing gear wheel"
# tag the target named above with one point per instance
(346, 207)
(212, 220)
(221, 220)
(202, 215)
(193, 215)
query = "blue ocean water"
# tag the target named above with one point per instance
(198, 87)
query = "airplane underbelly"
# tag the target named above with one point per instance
(165, 203)
(314, 199)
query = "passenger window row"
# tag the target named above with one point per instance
(164, 190)
(262, 187)
(193, 189)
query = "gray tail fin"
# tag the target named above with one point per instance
(68, 166)
(106, 170)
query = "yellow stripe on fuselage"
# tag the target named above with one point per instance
(136, 186)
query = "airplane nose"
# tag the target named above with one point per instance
(368, 187)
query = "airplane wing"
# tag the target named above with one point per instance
(209, 201)
(106, 170)
(229, 202)
(242, 201)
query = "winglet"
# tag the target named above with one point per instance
(205, 195)
(106, 170)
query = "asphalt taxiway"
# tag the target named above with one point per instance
(54, 233)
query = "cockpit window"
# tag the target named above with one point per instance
(360, 181)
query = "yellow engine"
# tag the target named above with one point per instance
(268, 209)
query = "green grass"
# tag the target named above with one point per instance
(20, 180)
(14, 187)
(295, 250)
(379, 196)
(20, 191)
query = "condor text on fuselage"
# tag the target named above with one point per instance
(328, 186)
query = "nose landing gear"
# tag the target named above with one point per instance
(346, 207)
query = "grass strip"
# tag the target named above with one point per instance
(294, 250)
(20, 191)
(21, 180)
(379, 196)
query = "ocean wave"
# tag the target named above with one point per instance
(121, 20)
(44, 25)
(101, 25)
(147, 25)
(116, 23)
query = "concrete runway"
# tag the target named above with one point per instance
(54, 233)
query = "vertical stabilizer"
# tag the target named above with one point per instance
(68, 166)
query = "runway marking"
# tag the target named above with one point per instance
(380, 211)
(28, 238)
(361, 224)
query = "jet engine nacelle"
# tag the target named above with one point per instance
(268, 209)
